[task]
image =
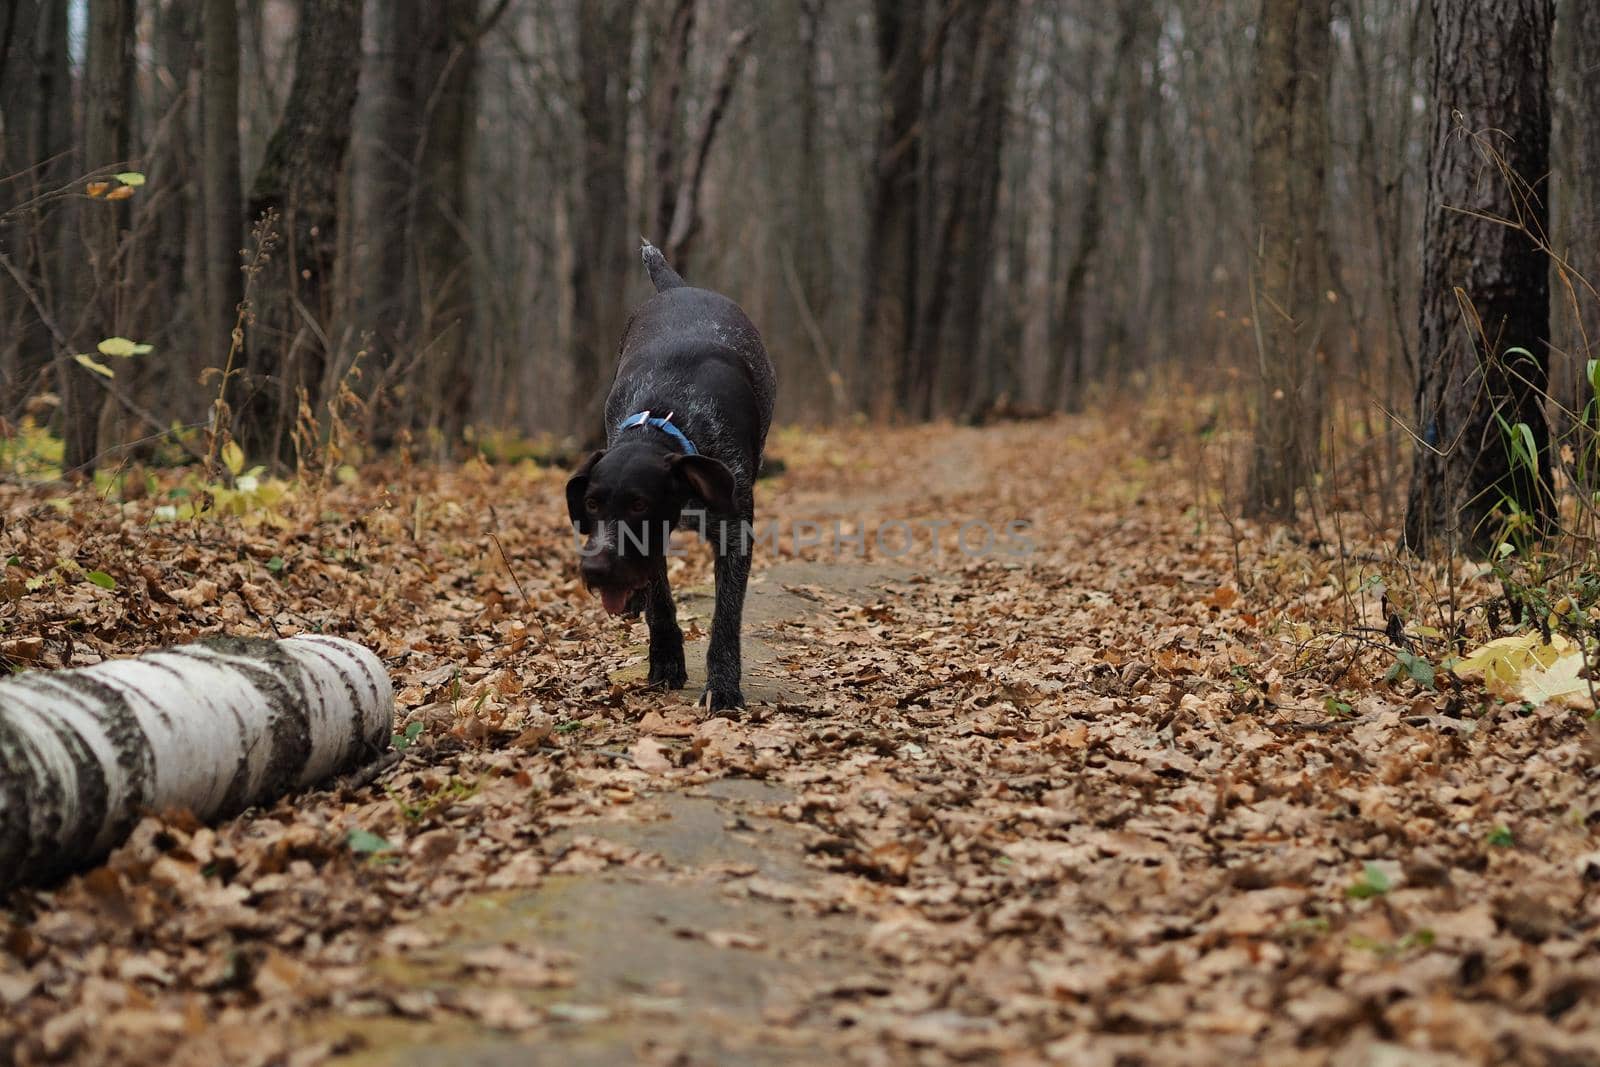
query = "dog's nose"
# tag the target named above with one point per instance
(595, 568)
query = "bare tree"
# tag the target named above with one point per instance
(951, 376)
(889, 277)
(671, 27)
(222, 187)
(686, 220)
(602, 256)
(107, 104)
(1287, 173)
(1066, 357)
(1582, 193)
(298, 185)
(438, 210)
(1483, 455)
(36, 99)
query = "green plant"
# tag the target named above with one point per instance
(1411, 666)
(248, 494)
(29, 452)
(404, 740)
(416, 810)
(1372, 883)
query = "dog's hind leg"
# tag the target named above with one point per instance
(667, 669)
(723, 662)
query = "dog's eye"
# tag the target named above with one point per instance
(639, 507)
(591, 505)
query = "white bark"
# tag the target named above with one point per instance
(213, 727)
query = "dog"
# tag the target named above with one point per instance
(686, 422)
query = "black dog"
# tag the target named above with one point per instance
(686, 420)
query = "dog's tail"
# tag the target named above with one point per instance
(662, 276)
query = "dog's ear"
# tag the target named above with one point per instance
(577, 488)
(707, 479)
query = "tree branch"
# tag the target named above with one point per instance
(686, 215)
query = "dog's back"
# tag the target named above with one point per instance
(695, 353)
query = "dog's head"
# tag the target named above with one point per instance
(626, 501)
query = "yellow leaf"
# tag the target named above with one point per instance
(116, 346)
(233, 457)
(87, 360)
(1558, 683)
(1525, 668)
(121, 192)
(97, 188)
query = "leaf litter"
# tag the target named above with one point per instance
(1130, 798)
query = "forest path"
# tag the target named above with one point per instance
(690, 952)
(695, 949)
(1141, 794)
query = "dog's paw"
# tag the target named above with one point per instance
(722, 698)
(668, 674)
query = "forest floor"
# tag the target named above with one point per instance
(1140, 795)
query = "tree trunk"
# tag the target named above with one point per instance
(814, 263)
(686, 212)
(1287, 169)
(439, 237)
(1582, 197)
(1065, 369)
(962, 382)
(107, 103)
(299, 184)
(889, 281)
(393, 94)
(213, 728)
(156, 305)
(1485, 308)
(669, 68)
(222, 186)
(36, 99)
(946, 194)
(603, 250)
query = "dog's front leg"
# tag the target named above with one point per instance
(723, 663)
(667, 670)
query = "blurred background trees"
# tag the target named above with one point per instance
(932, 208)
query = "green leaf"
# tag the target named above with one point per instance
(130, 177)
(1416, 668)
(122, 347)
(401, 742)
(275, 564)
(102, 579)
(1501, 837)
(367, 843)
(1531, 451)
(86, 360)
(1373, 883)
(233, 457)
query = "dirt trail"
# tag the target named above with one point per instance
(670, 963)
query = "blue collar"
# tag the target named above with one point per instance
(643, 418)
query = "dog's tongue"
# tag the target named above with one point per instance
(615, 600)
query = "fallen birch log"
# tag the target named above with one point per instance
(213, 727)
